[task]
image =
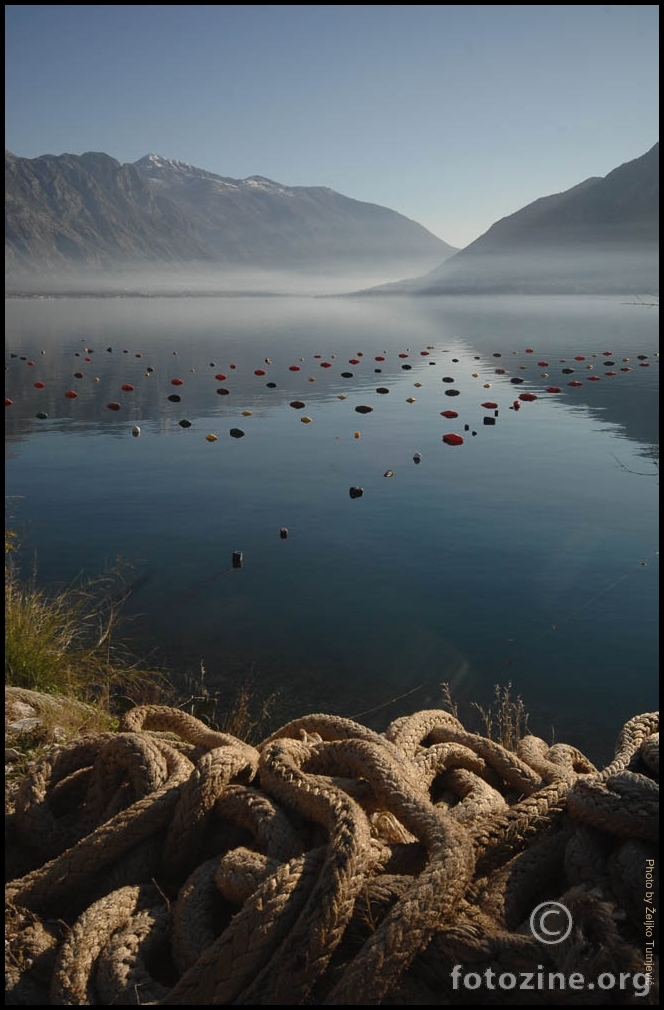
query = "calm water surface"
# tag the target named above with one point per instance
(528, 554)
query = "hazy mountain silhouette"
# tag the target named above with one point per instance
(74, 213)
(601, 235)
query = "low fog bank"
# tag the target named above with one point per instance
(564, 270)
(202, 280)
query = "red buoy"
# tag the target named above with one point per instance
(593, 378)
(528, 397)
(71, 394)
(326, 364)
(403, 355)
(542, 364)
(490, 405)
(39, 385)
(575, 382)
(177, 382)
(127, 388)
(293, 368)
(579, 357)
(8, 402)
(259, 371)
(220, 376)
(452, 439)
(113, 405)
(380, 357)
(553, 389)
(529, 350)
(353, 361)
(449, 413)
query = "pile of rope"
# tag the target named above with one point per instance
(170, 864)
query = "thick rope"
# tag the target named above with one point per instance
(171, 864)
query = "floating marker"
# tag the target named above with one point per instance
(346, 375)
(40, 414)
(271, 385)
(305, 420)
(410, 399)
(71, 394)
(362, 409)
(406, 368)
(78, 375)
(453, 439)
(298, 404)
(382, 389)
(222, 391)
(177, 382)
(326, 364)
(490, 405)
(356, 492)
(528, 397)
(39, 385)
(236, 559)
(488, 420)
(211, 438)
(293, 368)
(417, 457)
(246, 413)
(113, 405)
(283, 533)
(357, 434)
(236, 433)
(135, 431)
(259, 371)
(389, 473)
(220, 377)
(127, 388)
(575, 382)
(516, 380)
(451, 392)
(353, 361)
(184, 423)
(174, 398)
(553, 389)
(8, 402)
(449, 413)
(447, 378)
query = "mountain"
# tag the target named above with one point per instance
(89, 213)
(600, 236)
(256, 221)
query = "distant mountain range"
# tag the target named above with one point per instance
(69, 213)
(600, 236)
(75, 215)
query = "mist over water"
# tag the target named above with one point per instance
(526, 554)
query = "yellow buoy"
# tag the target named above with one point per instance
(417, 384)
(487, 385)
(410, 399)
(305, 420)
(357, 434)
(311, 378)
(211, 438)
(341, 396)
(246, 413)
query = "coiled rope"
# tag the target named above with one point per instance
(169, 864)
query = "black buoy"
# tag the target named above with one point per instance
(237, 559)
(236, 433)
(283, 533)
(356, 492)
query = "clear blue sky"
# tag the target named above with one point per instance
(452, 115)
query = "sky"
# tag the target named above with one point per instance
(453, 115)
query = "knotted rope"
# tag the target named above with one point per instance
(169, 864)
